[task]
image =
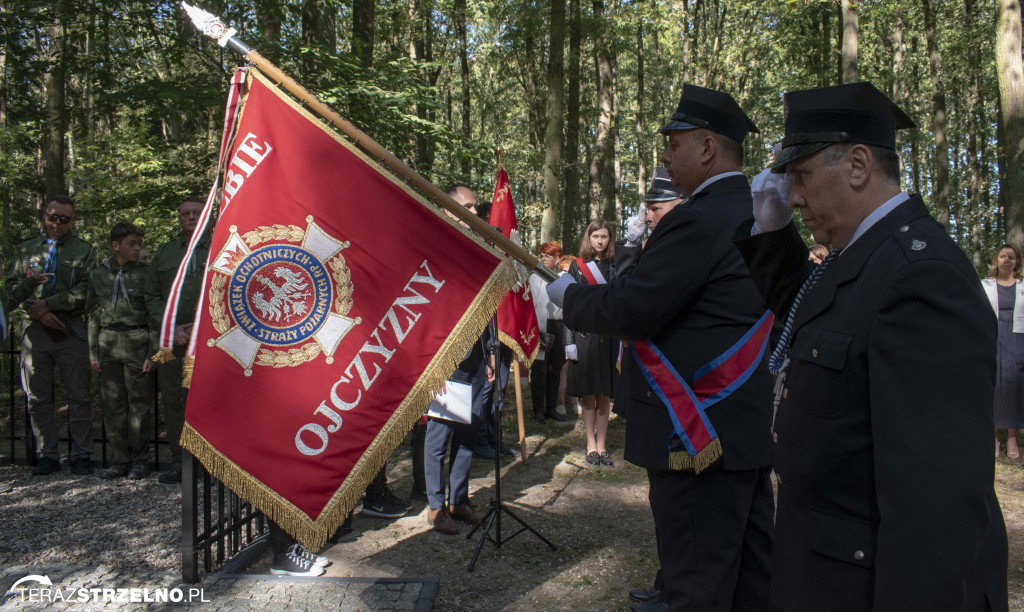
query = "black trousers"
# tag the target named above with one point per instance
(545, 373)
(714, 533)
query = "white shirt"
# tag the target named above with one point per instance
(713, 179)
(877, 215)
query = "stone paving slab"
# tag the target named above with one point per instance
(104, 588)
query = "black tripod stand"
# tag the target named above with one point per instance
(493, 517)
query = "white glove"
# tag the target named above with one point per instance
(770, 193)
(635, 227)
(570, 352)
(556, 290)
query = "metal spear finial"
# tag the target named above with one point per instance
(209, 24)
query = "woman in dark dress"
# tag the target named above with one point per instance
(1005, 291)
(592, 356)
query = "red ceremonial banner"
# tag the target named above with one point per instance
(336, 302)
(517, 320)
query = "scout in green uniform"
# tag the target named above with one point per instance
(56, 336)
(120, 343)
(162, 270)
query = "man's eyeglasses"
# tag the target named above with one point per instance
(62, 219)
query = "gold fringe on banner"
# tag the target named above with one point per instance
(163, 356)
(313, 534)
(508, 341)
(683, 461)
(186, 371)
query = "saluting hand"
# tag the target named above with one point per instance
(635, 228)
(770, 193)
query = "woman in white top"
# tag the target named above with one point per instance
(1005, 291)
(547, 367)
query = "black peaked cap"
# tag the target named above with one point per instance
(700, 107)
(662, 189)
(853, 113)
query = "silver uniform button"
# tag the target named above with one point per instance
(814, 353)
(904, 228)
(859, 555)
(775, 437)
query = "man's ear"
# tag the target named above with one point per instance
(861, 163)
(709, 147)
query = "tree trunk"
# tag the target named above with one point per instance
(599, 170)
(553, 136)
(56, 113)
(572, 131)
(1010, 71)
(940, 175)
(363, 35)
(641, 129)
(268, 22)
(460, 25)
(849, 32)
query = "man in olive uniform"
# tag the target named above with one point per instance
(120, 343)
(56, 336)
(162, 270)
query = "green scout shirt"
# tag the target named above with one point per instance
(105, 310)
(65, 298)
(161, 275)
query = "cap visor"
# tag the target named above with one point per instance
(791, 154)
(672, 126)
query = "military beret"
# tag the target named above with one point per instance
(700, 107)
(853, 113)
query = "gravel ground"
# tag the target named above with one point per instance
(598, 517)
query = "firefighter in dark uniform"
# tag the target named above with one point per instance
(690, 295)
(884, 423)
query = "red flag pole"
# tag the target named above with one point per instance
(212, 26)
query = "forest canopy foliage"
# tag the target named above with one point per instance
(120, 102)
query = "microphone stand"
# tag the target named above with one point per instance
(498, 506)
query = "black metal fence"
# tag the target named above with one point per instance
(216, 525)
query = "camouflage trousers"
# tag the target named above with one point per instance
(127, 394)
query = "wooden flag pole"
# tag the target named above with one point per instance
(519, 410)
(212, 26)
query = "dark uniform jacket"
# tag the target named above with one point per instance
(690, 294)
(884, 450)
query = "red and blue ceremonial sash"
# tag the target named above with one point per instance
(590, 272)
(712, 383)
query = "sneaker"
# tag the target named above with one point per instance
(119, 470)
(291, 563)
(45, 465)
(170, 477)
(383, 508)
(389, 496)
(139, 471)
(81, 466)
(318, 560)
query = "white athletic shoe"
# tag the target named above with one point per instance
(292, 564)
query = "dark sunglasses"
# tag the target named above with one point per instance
(62, 219)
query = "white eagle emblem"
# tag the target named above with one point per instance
(285, 300)
(522, 274)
